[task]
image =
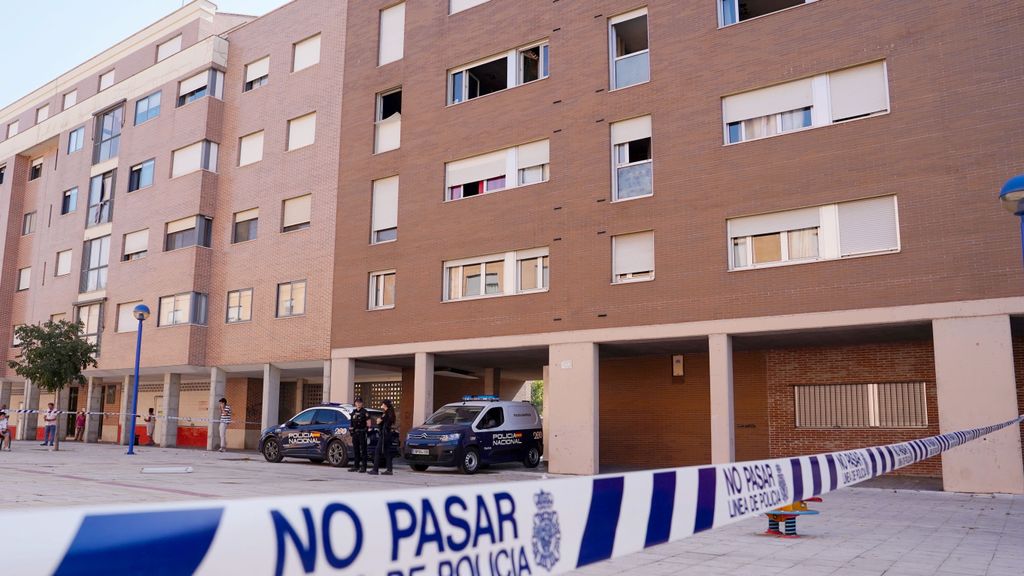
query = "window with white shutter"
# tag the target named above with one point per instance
(384, 217)
(301, 131)
(306, 53)
(126, 321)
(633, 257)
(168, 48)
(391, 44)
(296, 213)
(867, 226)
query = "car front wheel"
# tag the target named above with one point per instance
(272, 450)
(470, 461)
(337, 454)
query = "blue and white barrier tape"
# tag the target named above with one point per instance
(512, 529)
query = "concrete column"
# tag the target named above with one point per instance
(572, 388)
(126, 420)
(723, 428)
(423, 388)
(343, 380)
(544, 409)
(218, 389)
(5, 396)
(93, 403)
(168, 432)
(974, 379)
(271, 395)
(327, 381)
(27, 423)
(62, 420)
(492, 381)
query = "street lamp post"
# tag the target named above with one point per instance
(141, 312)
(1012, 197)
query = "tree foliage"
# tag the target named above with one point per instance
(53, 354)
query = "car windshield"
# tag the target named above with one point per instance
(455, 415)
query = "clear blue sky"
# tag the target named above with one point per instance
(45, 38)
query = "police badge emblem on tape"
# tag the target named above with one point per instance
(547, 535)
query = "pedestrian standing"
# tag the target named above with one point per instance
(49, 425)
(385, 423)
(150, 427)
(357, 426)
(79, 425)
(225, 419)
(5, 432)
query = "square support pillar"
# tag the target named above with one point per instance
(5, 396)
(93, 405)
(342, 379)
(976, 386)
(168, 428)
(723, 429)
(326, 395)
(218, 390)
(571, 398)
(126, 420)
(423, 388)
(492, 381)
(545, 404)
(27, 423)
(271, 396)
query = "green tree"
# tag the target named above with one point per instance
(52, 356)
(537, 394)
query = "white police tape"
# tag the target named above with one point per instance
(510, 529)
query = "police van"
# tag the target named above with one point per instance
(478, 431)
(319, 434)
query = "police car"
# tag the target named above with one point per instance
(478, 431)
(318, 434)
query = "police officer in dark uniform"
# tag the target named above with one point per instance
(385, 423)
(357, 426)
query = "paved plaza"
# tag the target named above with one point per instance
(861, 531)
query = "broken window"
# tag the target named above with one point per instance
(388, 126)
(630, 54)
(513, 68)
(733, 11)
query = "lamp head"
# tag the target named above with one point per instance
(141, 312)
(1012, 195)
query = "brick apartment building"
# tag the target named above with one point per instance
(716, 230)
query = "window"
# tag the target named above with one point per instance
(12, 129)
(101, 198)
(141, 175)
(491, 172)
(24, 278)
(631, 158)
(208, 82)
(108, 135)
(306, 53)
(256, 74)
(36, 171)
(15, 340)
(513, 68)
(135, 245)
(69, 202)
(733, 11)
(126, 320)
(882, 405)
(384, 225)
(250, 148)
(147, 108)
(388, 126)
(295, 214)
(76, 139)
(3, 170)
(91, 317)
(291, 299)
(42, 113)
(199, 156)
(382, 290)
(633, 257)
(493, 418)
(191, 231)
(184, 308)
(631, 59)
(819, 233)
(239, 306)
(58, 317)
(246, 225)
(70, 99)
(95, 260)
(168, 48)
(392, 34)
(821, 100)
(301, 131)
(63, 267)
(106, 80)
(460, 5)
(28, 223)
(496, 275)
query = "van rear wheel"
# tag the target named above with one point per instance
(470, 461)
(532, 458)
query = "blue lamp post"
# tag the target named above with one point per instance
(141, 312)
(1012, 197)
